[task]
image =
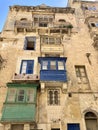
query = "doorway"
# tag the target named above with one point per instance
(91, 121)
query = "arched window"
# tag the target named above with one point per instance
(23, 19)
(91, 121)
(53, 97)
(56, 97)
(61, 20)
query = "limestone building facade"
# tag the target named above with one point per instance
(49, 67)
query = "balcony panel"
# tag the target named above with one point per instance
(89, 13)
(52, 48)
(23, 24)
(42, 31)
(25, 77)
(53, 75)
(62, 24)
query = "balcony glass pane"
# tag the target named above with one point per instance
(53, 65)
(30, 97)
(24, 65)
(21, 95)
(45, 65)
(60, 65)
(11, 95)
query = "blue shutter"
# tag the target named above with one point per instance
(73, 127)
(30, 65)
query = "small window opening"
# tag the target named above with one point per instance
(93, 24)
(30, 43)
(69, 94)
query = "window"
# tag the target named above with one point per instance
(21, 95)
(50, 40)
(81, 74)
(58, 40)
(30, 43)
(23, 19)
(93, 24)
(11, 95)
(61, 20)
(92, 8)
(45, 65)
(42, 20)
(53, 65)
(50, 19)
(53, 97)
(30, 96)
(60, 65)
(27, 67)
(35, 18)
(42, 24)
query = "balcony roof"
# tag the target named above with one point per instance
(52, 58)
(22, 85)
(43, 7)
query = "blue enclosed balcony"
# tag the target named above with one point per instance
(53, 69)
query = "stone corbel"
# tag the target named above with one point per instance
(8, 127)
(26, 127)
(15, 30)
(42, 87)
(64, 87)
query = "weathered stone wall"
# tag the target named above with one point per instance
(84, 96)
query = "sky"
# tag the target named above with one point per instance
(4, 6)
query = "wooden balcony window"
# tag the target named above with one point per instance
(50, 40)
